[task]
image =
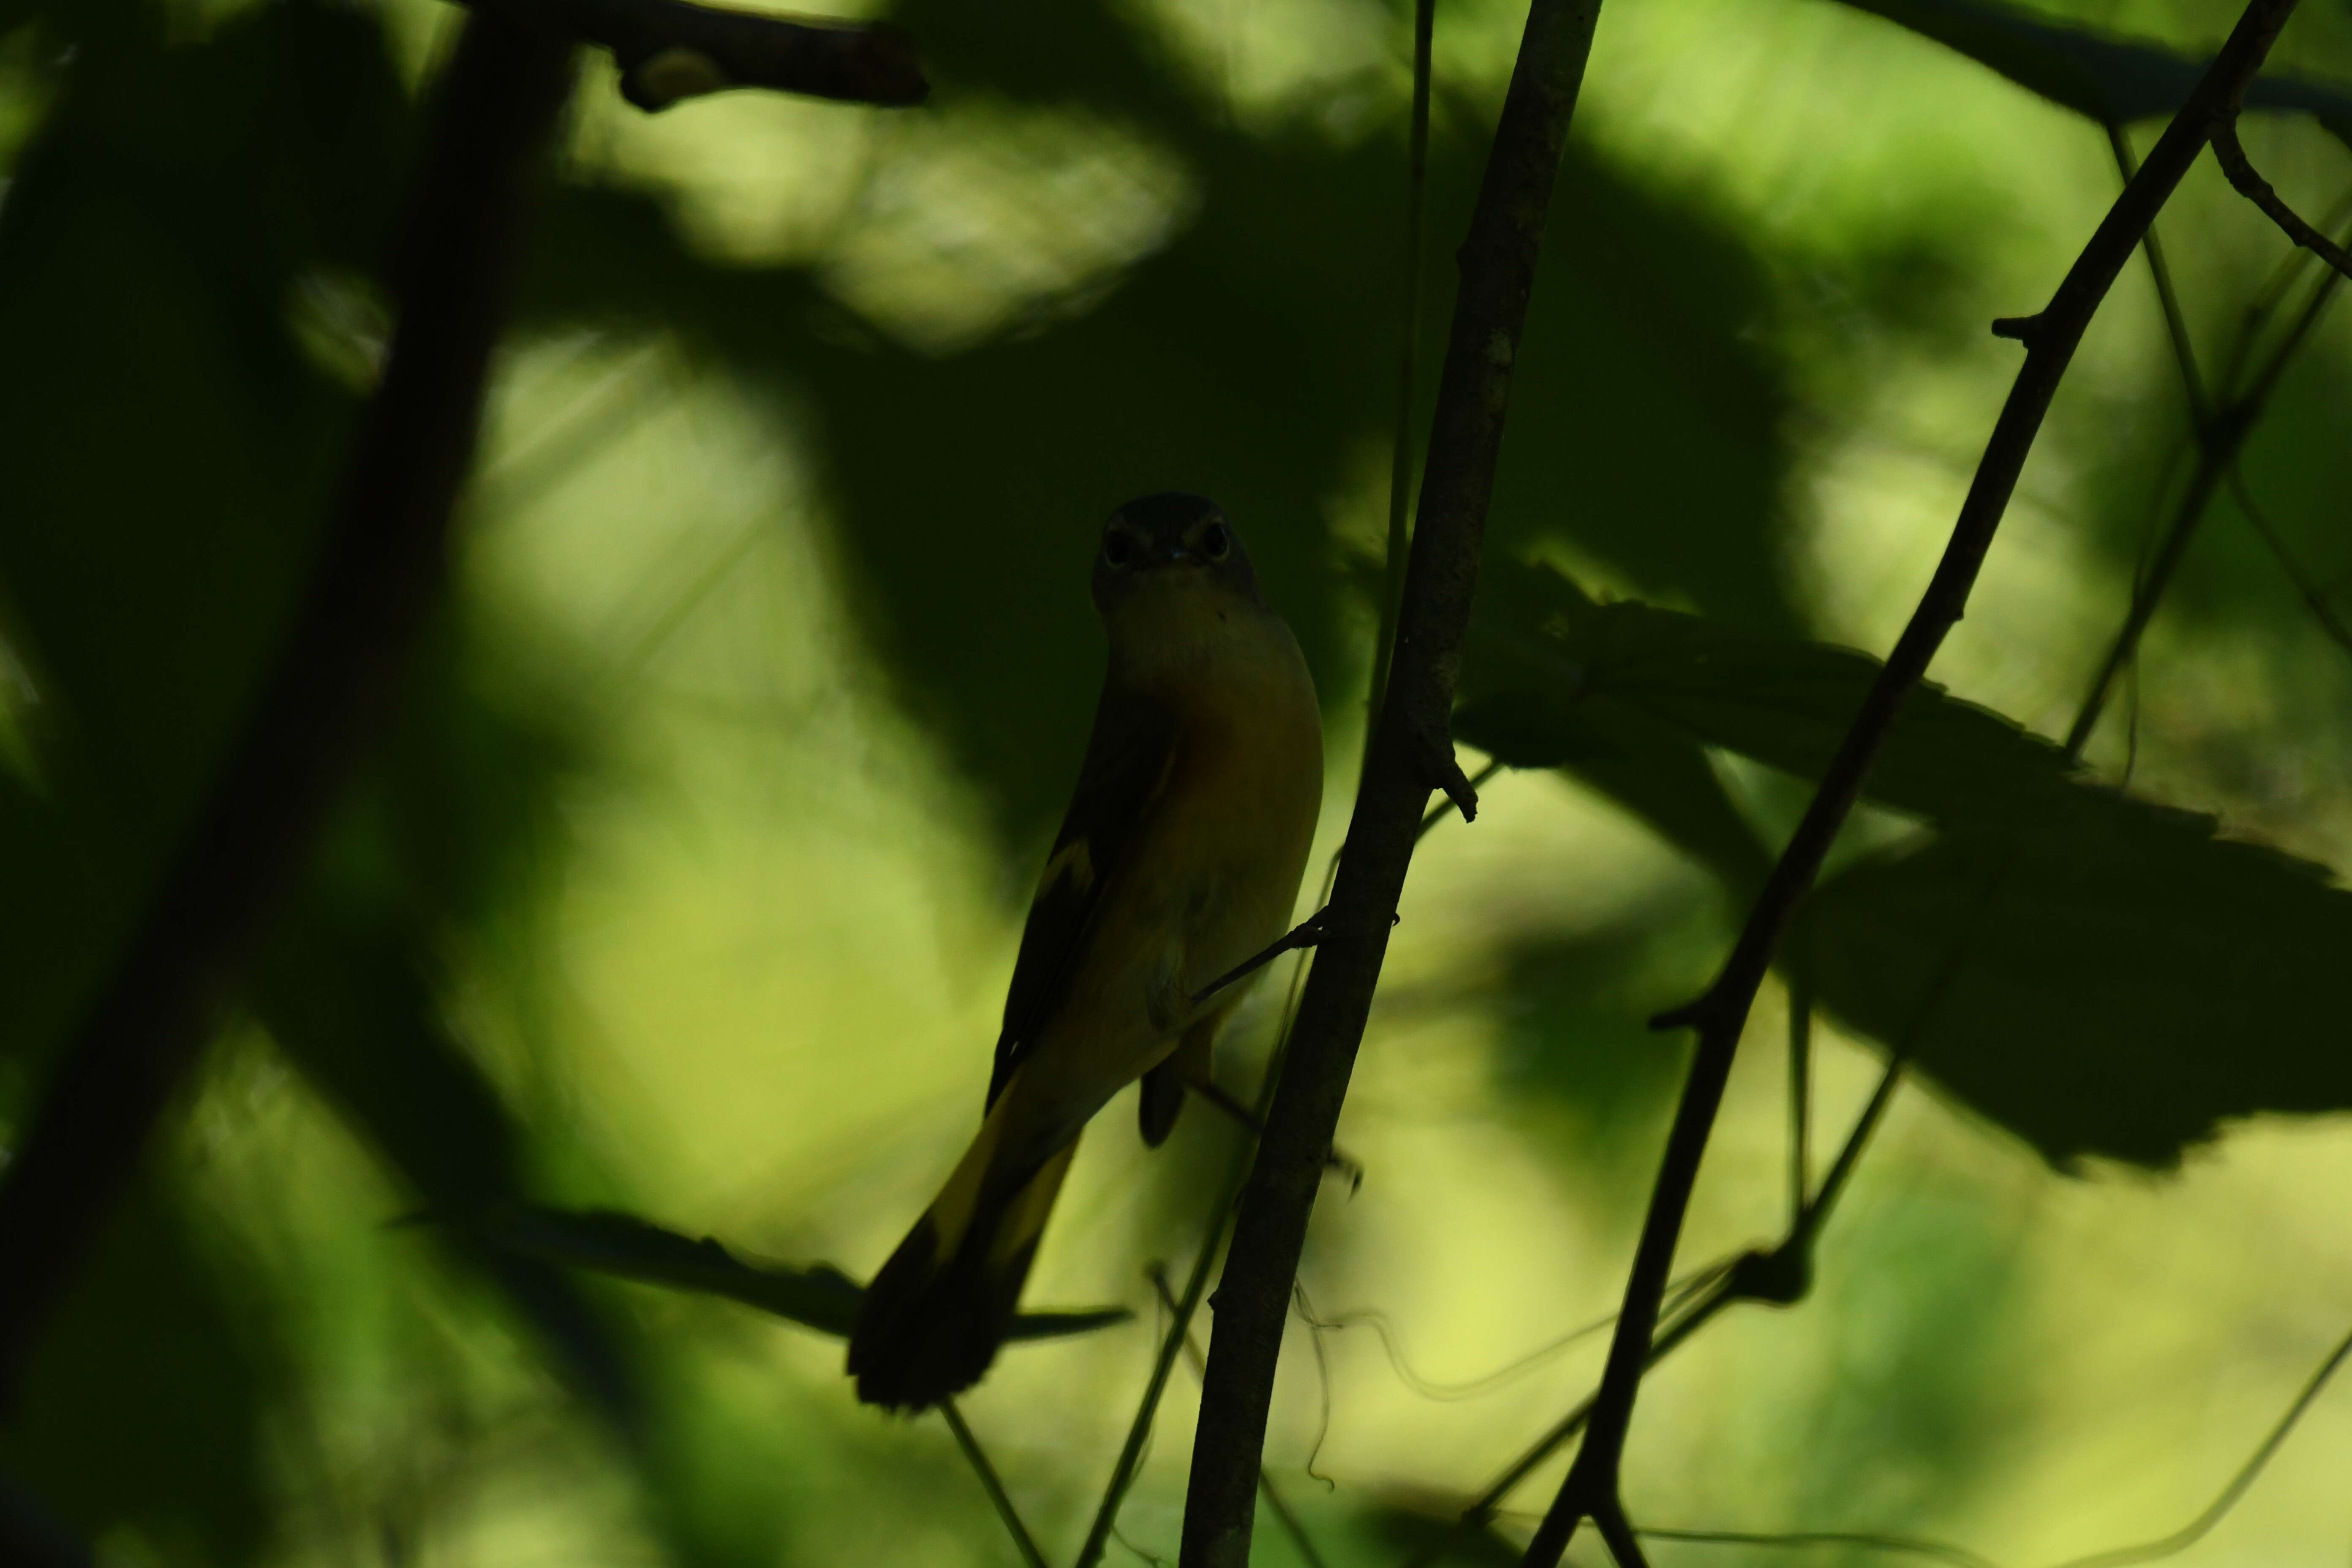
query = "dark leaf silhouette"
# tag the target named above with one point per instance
(2112, 79)
(2101, 976)
(1554, 678)
(2117, 989)
(144, 1410)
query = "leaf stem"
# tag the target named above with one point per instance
(1800, 1097)
(992, 1486)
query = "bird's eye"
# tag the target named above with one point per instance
(1216, 541)
(1117, 551)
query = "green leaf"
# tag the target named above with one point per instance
(2120, 989)
(820, 1297)
(345, 1000)
(1551, 674)
(2100, 975)
(2111, 80)
(145, 1410)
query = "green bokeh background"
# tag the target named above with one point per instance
(689, 879)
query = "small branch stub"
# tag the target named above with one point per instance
(1445, 770)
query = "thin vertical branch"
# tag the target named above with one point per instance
(1179, 1327)
(1281, 1510)
(1849, 1154)
(1139, 1431)
(2221, 437)
(2308, 591)
(2167, 297)
(379, 569)
(1721, 1015)
(1791, 1256)
(977, 1459)
(1800, 1097)
(1424, 24)
(1409, 755)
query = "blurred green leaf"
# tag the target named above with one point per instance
(2119, 989)
(144, 1406)
(2113, 81)
(165, 449)
(820, 1297)
(343, 998)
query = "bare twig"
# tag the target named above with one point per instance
(1253, 1119)
(1437, 814)
(977, 1459)
(668, 50)
(378, 572)
(1424, 22)
(2224, 436)
(1497, 262)
(1898, 1545)
(2257, 189)
(1305, 933)
(1139, 1431)
(1281, 1510)
(2168, 298)
(1800, 1097)
(2308, 591)
(2221, 437)
(1721, 1014)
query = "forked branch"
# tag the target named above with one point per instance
(1590, 1489)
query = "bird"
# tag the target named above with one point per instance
(1178, 859)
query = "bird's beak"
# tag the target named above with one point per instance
(1170, 556)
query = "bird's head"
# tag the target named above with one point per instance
(1168, 554)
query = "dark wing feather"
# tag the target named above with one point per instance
(1128, 760)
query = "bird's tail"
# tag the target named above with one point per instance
(934, 1314)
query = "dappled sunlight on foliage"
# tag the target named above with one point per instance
(639, 986)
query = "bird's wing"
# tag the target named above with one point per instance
(1128, 760)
